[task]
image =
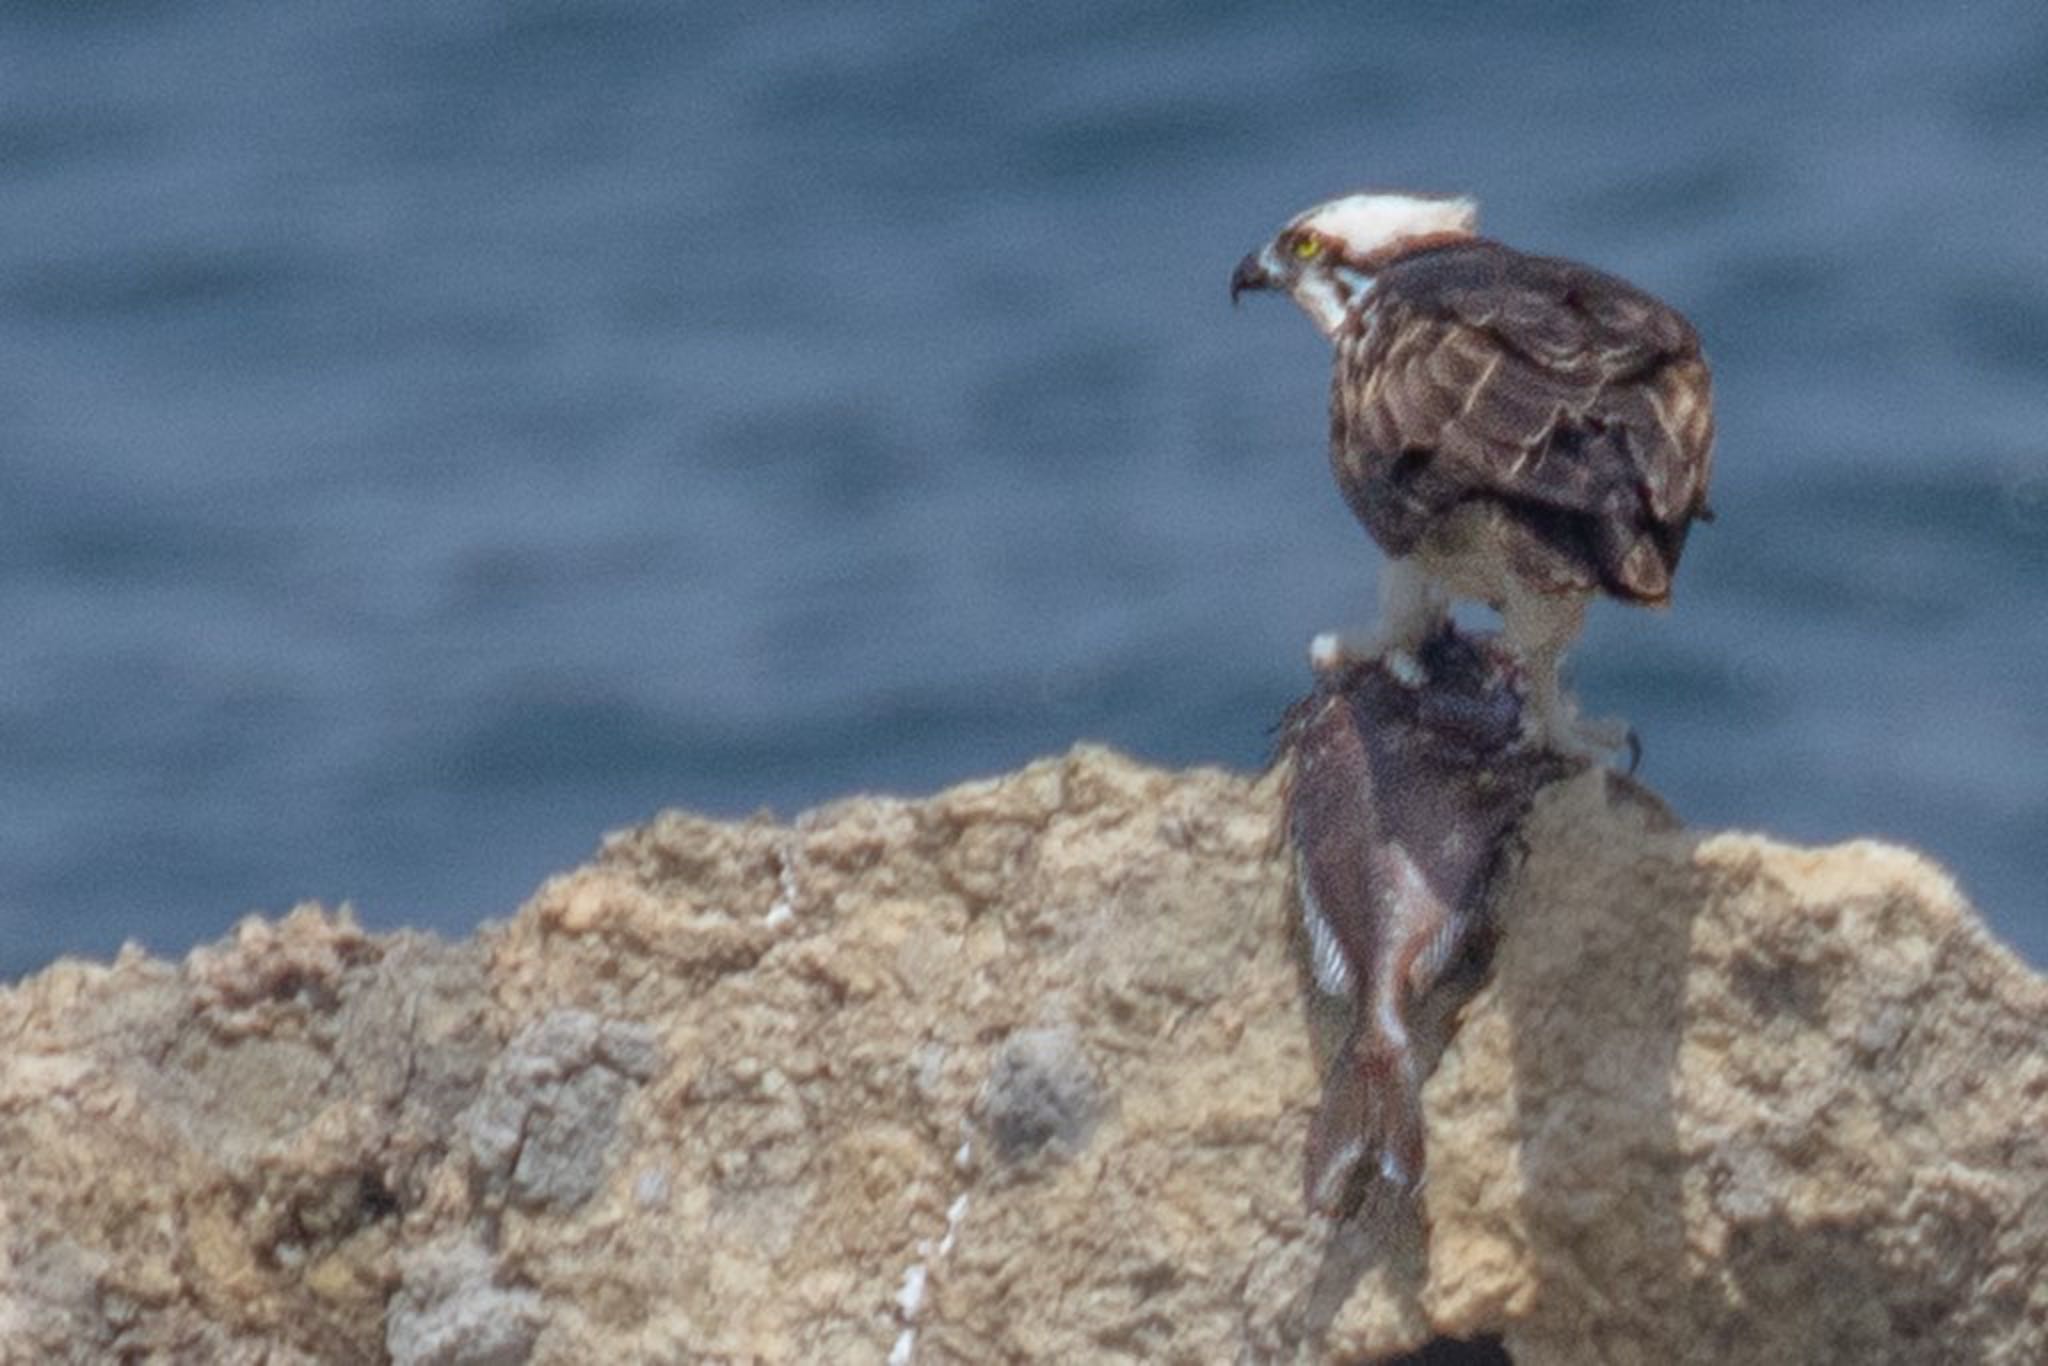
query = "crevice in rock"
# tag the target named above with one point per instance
(1486, 1350)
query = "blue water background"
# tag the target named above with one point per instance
(433, 434)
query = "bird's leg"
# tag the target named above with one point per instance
(1412, 606)
(1542, 627)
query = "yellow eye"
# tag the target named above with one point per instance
(1308, 248)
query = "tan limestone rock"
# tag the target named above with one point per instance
(1021, 1072)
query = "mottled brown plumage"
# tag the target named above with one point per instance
(1576, 402)
(1519, 430)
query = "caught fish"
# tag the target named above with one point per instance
(1405, 786)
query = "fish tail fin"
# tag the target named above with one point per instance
(1370, 1118)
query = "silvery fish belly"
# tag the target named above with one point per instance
(1399, 805)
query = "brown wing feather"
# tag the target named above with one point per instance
(1564, 393)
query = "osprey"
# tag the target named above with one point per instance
(1519, 430)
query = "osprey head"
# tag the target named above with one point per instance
(1326, 258)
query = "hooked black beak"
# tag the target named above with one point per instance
(1251, 273)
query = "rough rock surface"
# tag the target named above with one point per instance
(1021, 1072)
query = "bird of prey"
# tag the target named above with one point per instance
(1518, 430)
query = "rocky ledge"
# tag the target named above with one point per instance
(1021, 1072)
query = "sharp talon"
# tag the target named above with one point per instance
(1635, 751)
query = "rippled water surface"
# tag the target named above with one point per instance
(433, 434)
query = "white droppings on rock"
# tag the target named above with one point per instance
(954, 1214)
(784, 908)
(910, 1299)
(917, 1278)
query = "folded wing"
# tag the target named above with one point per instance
(1567, 395)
